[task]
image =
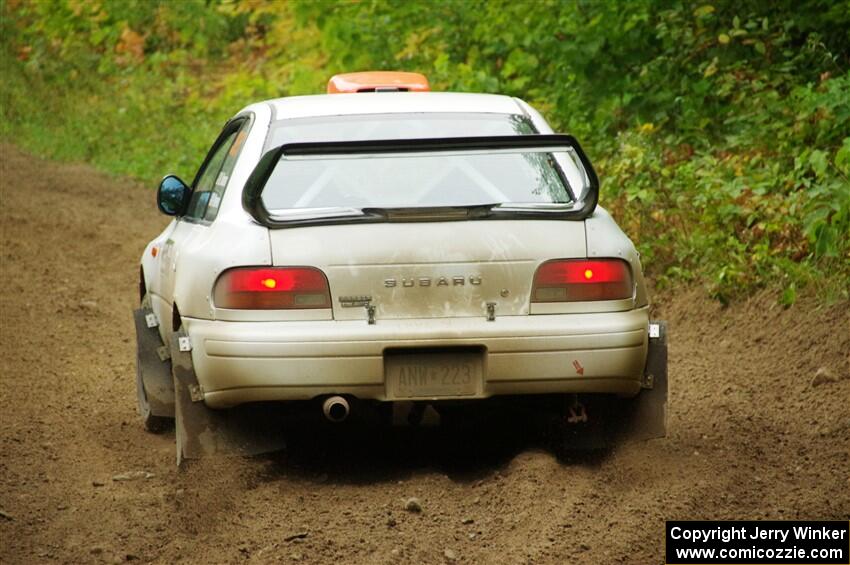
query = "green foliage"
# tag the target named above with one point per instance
(720, 130)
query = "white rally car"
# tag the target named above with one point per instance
(383, 249)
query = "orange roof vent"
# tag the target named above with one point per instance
(378, 81)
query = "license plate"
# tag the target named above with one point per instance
(433, 375)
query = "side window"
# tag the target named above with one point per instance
(212, 180)
(226, 171)
(204, 186)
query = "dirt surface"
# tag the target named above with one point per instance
(753, 432)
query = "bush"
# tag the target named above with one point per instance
(719, 129)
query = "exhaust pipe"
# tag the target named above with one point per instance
(336, 408)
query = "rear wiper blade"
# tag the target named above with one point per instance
(471, 212)
(417, 213)
(430, 213)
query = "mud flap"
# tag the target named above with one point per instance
(645, 416)
(203, 432)
(154, 372)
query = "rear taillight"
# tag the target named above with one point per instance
(580, 280)
(272, 288)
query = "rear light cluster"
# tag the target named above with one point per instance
(272, 288)
(582, 280)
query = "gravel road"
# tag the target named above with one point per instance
(759, 428)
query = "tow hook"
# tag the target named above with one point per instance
(576, 412)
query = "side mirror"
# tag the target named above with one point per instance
(173, 195)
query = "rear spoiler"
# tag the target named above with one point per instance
(584, 205)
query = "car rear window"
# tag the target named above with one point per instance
(405, 180)
(424, 180)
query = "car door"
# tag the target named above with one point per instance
(207, 191)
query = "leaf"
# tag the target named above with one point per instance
(131, 43)
(723, 39)
(842, 157)
(703, 11)
(818, 162)
(825, 244)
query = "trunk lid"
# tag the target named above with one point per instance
(429, 270)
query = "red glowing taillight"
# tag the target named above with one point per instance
(571, 280)
(272, 288)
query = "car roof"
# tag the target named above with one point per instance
(392, 102)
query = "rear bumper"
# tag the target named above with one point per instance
(238, 362)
